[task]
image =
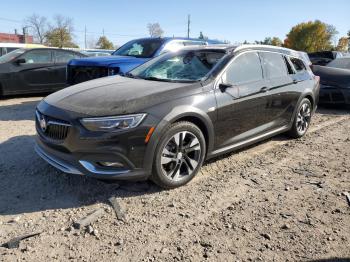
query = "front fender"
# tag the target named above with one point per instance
(176, 114)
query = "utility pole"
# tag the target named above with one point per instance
(85, 37)
(103, 32)
(188, 25)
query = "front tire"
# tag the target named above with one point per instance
(302, 119)
(179, 155)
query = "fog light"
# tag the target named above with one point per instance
(111, 164)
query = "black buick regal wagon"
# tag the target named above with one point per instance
(164, 118)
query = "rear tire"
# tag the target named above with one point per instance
(179, 155)
(302, 119)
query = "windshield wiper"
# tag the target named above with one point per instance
(157, 79)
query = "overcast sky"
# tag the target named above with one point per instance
(235, 21)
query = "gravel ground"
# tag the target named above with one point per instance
(280, 200)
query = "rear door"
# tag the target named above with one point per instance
(59, 70)
(241, 107)
(34, 74)
(281, 95)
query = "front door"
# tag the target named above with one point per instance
(242, 106)
(35, 74)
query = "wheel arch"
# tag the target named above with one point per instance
(181, 113)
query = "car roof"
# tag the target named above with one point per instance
(167, 38)
(240, 48)
(50, 48)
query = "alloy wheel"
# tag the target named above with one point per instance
(180, 155)
(303, 118)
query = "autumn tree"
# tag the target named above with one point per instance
(311, 36)
(343, 44)
(38, 25)
(104, 43)
(155, 30)
(60, 34)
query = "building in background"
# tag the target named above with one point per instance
(16, 38)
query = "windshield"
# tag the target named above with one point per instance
(143, 48)
(340, 63)
(186, 66)
(10, 56)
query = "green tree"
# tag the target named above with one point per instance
(311, 36)
(276, 41)
(60, 34)
(104, 43)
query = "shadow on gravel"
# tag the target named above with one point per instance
(11, 112)
(333, 110)
(29, 184)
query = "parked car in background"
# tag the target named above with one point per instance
(165, 117)
(34, 70)
(96, 53)
(324, 57)
(126, 58)
(9, 47)
(335, 81)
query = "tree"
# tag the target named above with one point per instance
(38, 25)
(310, 36)
(60, 34)
(104, 43)
(201, 36)
(155, 30)
(276, 41)
(343, 44)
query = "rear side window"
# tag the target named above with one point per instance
(65, 57)
(274, 64)
(298, 64)
(245, 68)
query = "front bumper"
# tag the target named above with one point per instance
(69, 164)
(334, 95)
(71, 148)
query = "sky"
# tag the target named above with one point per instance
(235, 20)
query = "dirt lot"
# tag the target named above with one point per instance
(280, 200)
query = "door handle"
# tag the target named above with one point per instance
(295, 81)
(264, 89)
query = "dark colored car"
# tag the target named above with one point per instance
(127, 57)
(34, 70)
(335, 81)
(324, 57)
(164, 118)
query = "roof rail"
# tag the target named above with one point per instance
(269, 48)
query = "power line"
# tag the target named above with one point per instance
(10, 20)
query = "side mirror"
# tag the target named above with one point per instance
(20, 61)
(224, 86)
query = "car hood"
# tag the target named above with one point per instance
(333, 76)
(117, 95)
(107, 61)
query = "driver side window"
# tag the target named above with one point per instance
(245, 68)
(37, 57)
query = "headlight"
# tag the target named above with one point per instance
(112, 123)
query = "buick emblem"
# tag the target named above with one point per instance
(43, 124)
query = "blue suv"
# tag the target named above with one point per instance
(127, 57)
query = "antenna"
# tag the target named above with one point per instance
(188, 25)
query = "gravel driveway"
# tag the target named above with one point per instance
(280, 200)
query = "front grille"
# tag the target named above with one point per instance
(79, 74)
(52, 128)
